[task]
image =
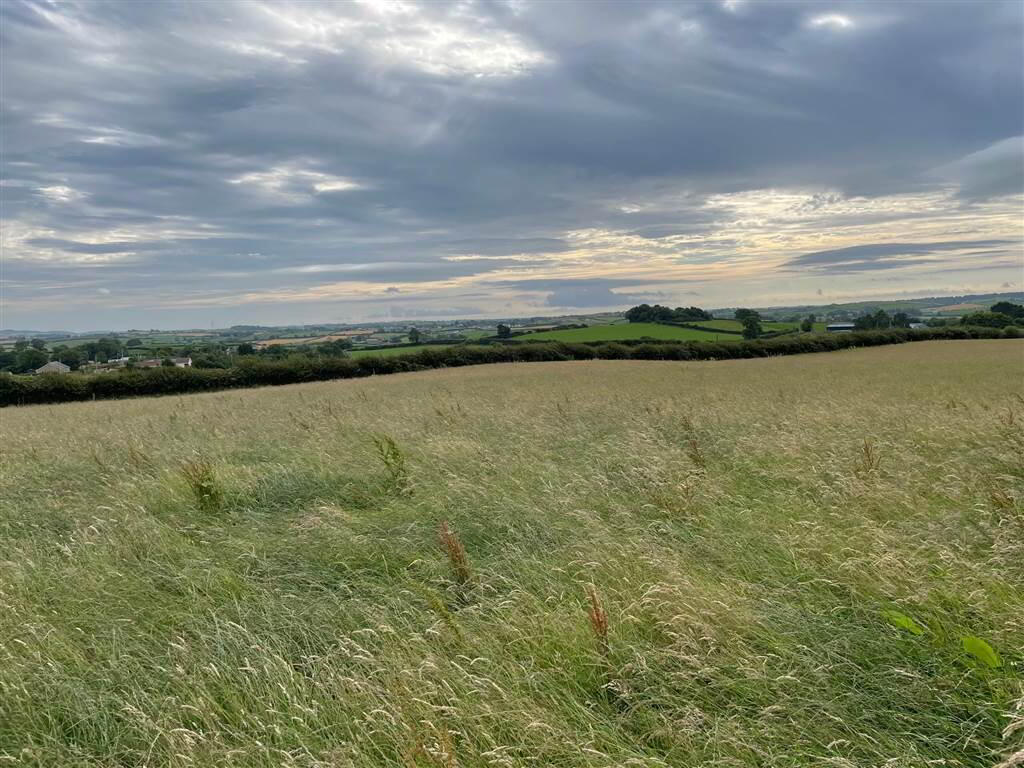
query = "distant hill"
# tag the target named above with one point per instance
(929, 306)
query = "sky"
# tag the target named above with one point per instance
(196, 164)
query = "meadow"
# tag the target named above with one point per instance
(767, 325)
(624, 331)
(812, 560)
(393, 351)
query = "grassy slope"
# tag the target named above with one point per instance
(736, 531)
(627, 331)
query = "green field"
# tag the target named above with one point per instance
(624, 331)
(390, 351)
(814, 560)
(736, 325)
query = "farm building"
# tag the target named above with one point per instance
(839, 327)
(54, 366)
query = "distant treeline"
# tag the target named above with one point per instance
(55, 388)
(645, 313)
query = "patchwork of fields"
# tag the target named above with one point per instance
(797, 561)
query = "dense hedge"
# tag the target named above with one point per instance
(55, 388)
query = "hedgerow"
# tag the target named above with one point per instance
(56, 388)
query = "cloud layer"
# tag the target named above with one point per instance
(181, 164)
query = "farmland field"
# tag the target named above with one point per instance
(390, 351)
(619, 332)
(736, 325)
(796, 561)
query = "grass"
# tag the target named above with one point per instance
(776, 562)
(736, 325)
(628, 331)
(389, 351)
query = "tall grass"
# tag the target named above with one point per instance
(800, 561)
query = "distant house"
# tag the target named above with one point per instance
(54, 366)
(118, 361)
(839, 327)
(917, 325)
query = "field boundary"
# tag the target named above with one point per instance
(58, 388)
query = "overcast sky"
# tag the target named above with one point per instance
(181, 165)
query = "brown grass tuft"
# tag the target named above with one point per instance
(461, 571)
(598, 619)
(870, 458)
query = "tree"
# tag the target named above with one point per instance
(29, 359)
(691, 313)
(743, 314)
(872, 321)
(335, 347)
(751, 325)
(8, 359)
(211, 359)
(70, 356)
(901, 320)
(504, 331)
(245, 348)
(987, 319)
(808, 324)
(1008, 308)
(102, 349)
(414, 335)
(38, 344)
(646, 313)
(133, 343)
(20, 344)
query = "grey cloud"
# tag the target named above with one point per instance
(149, 112)
(585, 293)
(72, 246)
(881, 255)
(990, 172)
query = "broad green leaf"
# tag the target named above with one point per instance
(903, 621)
(982, 651)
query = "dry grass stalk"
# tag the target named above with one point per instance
(598, 619)
(870, 458)
(461, 570)
(695, 453)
